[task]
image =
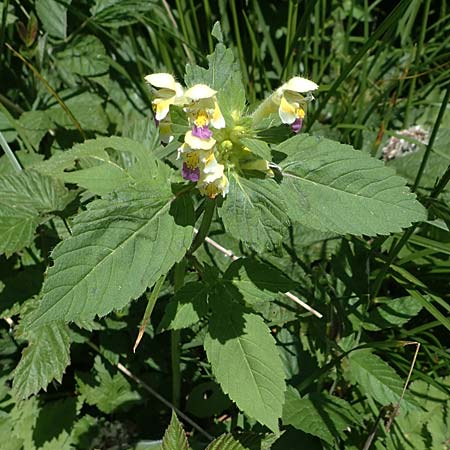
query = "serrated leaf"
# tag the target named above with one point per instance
(53, 15)
(226, 442)
(85, 57)
(257, 281)
(45, 359)
(108, 392)
(255, 213)
(376, 378)
(393, 313)
(175, 437)
(106, 263)
(321, 415)
(223, 75)
(332, 187)
(187, 307)
(257, 147)
(245, 360)
(24, 198)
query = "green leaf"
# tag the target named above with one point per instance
(257, 281)
(175, 437)
(376, 378)
(257, 147)
(53, 15)
(321, 415)
(45, 359)
(25, 199)
(245, 360)
(119, 247)
(86, 57)
(108, 392)
(332, 187)
(226, 442)
(187, 307)
(87, 109)
(108, 164)
(393, 313)
(255, 212)
(223, 75)
(35, 124)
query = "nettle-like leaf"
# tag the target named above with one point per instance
(226, 442)
(255, 212)
(257, 281)
(108, 392)
(321, 415)
(175, 437)
(53, 15)
(332, 187)
(107, 164)
(244, 359)
(377, 379)
(45, 359)
(120, 246)
(187, 307)
(223, 75)
(25, 200)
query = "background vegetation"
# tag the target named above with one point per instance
(70, 71)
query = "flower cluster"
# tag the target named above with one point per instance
(209, 148)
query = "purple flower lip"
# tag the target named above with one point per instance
(201, 132)
(296, 126)
(190, 174)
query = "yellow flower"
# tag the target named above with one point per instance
(168, 92)
(203, 108)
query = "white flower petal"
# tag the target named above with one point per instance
(287, 111)
(197, 143)
(200, 91)
(162, 80)
(299, 84)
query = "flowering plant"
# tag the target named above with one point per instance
(249, 171)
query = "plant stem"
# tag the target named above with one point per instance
(180, 270)
(9, 153)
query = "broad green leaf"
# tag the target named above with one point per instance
(53, 15)
(321, 415)
(393, 313)
(106, 263)
(255, 212)
(257, 281)
(25, 199)
(108, 164)
(187, 307)
(117, 13)
(45, 359)
(87, 109)
(257, 147)
(175, 437)
(85, 57)
(226, 442)
(35, 124)
(223, 75)
(108, 392)
(376, 378)
(332, 187)
(245, 360)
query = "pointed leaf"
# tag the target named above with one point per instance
(119, 247)
(321, 415)
(377, 379)
(226, 442)
(255, 212)
(187, 307)
(45, 359)
(24, 198)
(332, 187)
(175, 437)
(245, 360)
